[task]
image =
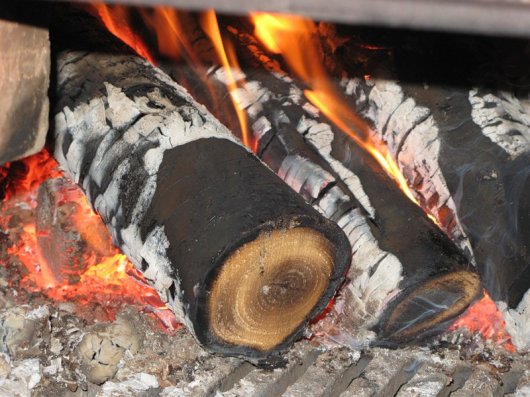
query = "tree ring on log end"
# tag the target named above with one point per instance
(430, 305)
(267, 288)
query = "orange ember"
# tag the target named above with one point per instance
(107, 278)
(485, 319)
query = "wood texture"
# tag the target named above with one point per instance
(188, 203)
(396, 249)
(24, 82)
(457, 120)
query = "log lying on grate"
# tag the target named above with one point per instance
(462, 137)
(243, 261)
(398, 254)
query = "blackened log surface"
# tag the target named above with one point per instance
(24, 82)
(177, 191)
(226, 199)
(456, 114)
(395, 247)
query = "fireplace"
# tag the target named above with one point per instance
(283, 207)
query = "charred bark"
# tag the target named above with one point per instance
(398, 254)
(457, 119)
(243, 261)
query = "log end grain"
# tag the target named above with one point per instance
(268, 287)
(428, 307)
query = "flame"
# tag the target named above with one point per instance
(108, 279)
(485, 319)
(227, 55)
(115, 19)
(295, 38)
(174, 43)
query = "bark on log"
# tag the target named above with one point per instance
(24, 81)
(457, 119)
(243, 261)
(416, 266)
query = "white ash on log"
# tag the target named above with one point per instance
(460, 132)
(417, 268)
(243, 261)
(24, 80)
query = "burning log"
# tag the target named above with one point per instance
(66, 233)
(427, 279)
(243, 261)
(465, 149)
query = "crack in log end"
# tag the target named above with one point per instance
(268, 287)
(425, 309)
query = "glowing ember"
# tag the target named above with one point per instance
(485, 319)
(107, 279)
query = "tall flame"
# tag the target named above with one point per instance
(226, 53)
(295, 39)
(110, 282)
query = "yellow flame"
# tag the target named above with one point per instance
(296, 39)
(226, 53)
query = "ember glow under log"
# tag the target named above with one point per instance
(243, 261)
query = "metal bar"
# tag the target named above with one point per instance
(499, 17)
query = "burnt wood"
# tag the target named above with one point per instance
(395, 246)
(243, 261)
(457, 117)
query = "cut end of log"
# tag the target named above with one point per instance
(431, 305)
(269, 286)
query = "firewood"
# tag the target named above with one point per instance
(243, 261)
(460, 131)
(68, 237)
(24, 81)
(399, 255)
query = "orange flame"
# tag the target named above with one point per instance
(485, 319)
(115, 19)
(110, 282)
(227, 55)
(295, 38)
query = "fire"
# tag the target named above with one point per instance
(296, 40)
(485, 319)
(115, 19)
(107, 279)
(227, 55)
(174, 43)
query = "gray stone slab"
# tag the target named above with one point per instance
(24, 82)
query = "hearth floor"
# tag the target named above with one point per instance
(45, 354)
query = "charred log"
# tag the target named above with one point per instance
(398, 254)
(243, 261)
(461, 136)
